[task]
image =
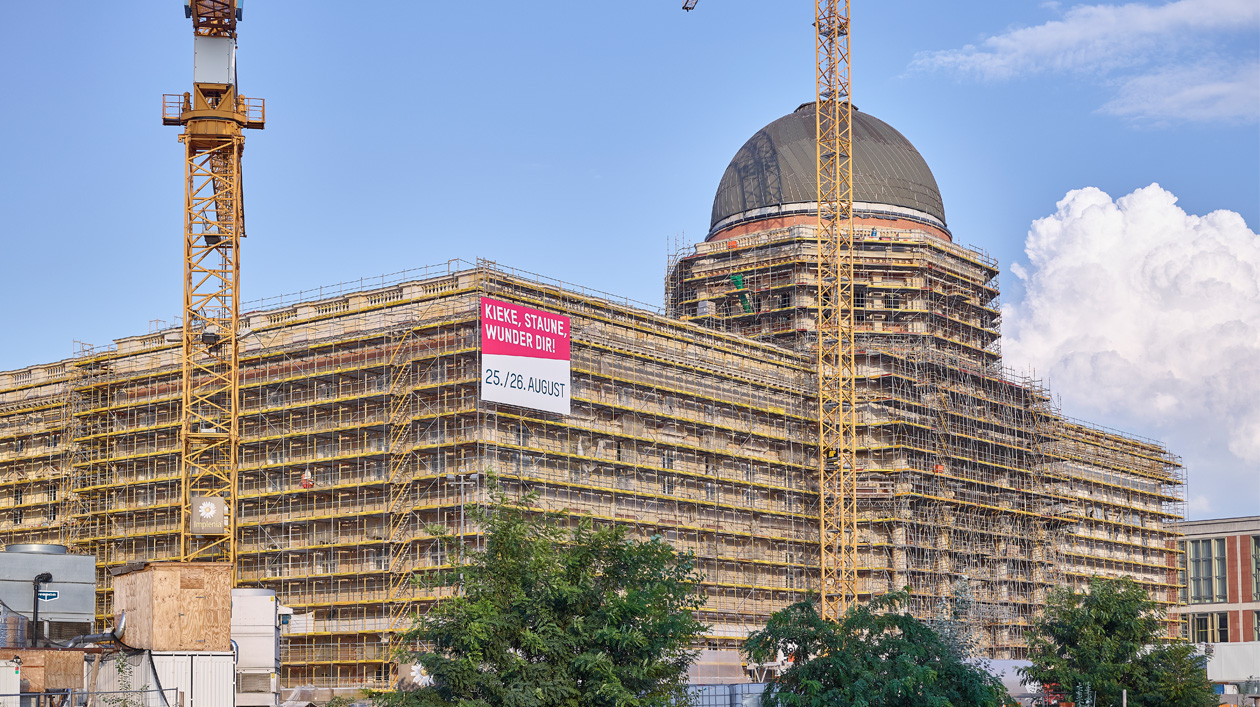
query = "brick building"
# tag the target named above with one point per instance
(1220, 580)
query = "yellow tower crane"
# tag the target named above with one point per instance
(837, 392)
(213, 116)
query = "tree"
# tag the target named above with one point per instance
(875, 656)
(552, 616)
(1109, 640)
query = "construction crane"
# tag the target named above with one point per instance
(213, 116)
(836, 344)
(837, 369)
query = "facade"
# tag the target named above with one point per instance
(363, 424)
(1220, 567)
(362, 427)
(969, 470)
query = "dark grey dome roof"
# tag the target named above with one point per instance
(776, 167)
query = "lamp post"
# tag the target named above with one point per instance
(462, 482)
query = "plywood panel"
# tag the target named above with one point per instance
(167, 608)
(177, 606)
(50, 669)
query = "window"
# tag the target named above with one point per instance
(1222, 569)
(785, 300)
(1255, 577)
(793, 576)
(667, 459)
(17, 516)
(710, 491)
(52, 493)
(1206, 561)
(437, 374)
(667, 486)
(1206, 628)
(437, 554)
(18, 495)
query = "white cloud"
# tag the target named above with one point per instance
(1134, 46)
(1207, 92)
(1139, 311)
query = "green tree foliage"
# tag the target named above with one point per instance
(875, 656)
(1109, 639)
(552, 616)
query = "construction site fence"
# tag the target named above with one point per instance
(168, 697)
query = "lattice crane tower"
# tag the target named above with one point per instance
(213, 116)
(837, 394)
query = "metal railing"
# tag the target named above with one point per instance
(169, 697)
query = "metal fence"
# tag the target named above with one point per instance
(95, 698)
(736, 695)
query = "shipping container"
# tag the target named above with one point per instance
(205, 679)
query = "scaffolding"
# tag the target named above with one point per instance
(362, 427)
(34, 439)
(963, 466)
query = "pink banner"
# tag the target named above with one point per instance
(513, 330)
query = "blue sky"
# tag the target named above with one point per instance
(577, 140)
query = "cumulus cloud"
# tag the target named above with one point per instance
(1135, 309)
(1135, 47)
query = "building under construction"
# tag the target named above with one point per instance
(364, 421)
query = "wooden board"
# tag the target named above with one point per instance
(50, 669)
(177, 606)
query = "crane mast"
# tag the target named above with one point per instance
(213, 116)
(837, 394)
(837, 391)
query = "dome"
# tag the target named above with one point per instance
(774, 173)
